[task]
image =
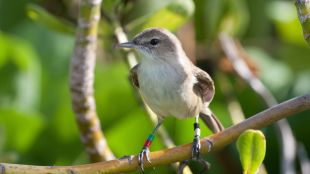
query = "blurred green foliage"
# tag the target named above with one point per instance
(37, 125)
(39, 14)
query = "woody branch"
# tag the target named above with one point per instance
(81, 81)
(179, 153)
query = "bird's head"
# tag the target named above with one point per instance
(155, 43)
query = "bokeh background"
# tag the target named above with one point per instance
(37, 125)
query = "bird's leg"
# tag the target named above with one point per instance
(145, 149)
(196, 141)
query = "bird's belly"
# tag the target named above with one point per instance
(168, 101)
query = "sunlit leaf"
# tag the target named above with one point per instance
(165, 19)
(40, 15)
(252, 148)
(171, 17)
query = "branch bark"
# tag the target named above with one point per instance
(81, 82)
(303, 12)
(178, 153)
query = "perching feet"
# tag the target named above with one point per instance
(196, 148)
(145, 151)
(2, 169)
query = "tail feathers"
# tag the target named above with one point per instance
(211, 121)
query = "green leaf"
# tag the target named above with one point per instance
(43, 17)
(171, 17)
(252, 148)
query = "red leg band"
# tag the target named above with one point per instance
(148, 143)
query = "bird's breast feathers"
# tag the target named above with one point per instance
(167, 91)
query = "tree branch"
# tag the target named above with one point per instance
(178, 153)
(81, 82)
(303, 13)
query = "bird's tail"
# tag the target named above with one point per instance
(211, 121)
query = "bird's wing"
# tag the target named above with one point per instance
(205, 84)
(210, 120)
(134, 75)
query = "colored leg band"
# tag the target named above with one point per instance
(148, 143)
(149, 140)
(196, 125)
(151, 137)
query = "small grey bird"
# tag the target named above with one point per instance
(171, 84)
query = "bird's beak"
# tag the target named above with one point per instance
(127, 45)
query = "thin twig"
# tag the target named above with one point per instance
(303, 13)
(81, 82)
(287, 140)
(179, 153)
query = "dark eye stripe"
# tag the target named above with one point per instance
(154, 41)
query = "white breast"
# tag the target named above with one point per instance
(164, 90)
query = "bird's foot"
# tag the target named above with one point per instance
(129, 158)
(211, 144)
(50, 167)
(2, 169)
(145, 151)
(196, 148)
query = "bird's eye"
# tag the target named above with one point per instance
(154, 41)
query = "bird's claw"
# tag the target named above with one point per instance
(129, 158)
(211, 144)
(145, 151)
(2, 169)
(196, 148)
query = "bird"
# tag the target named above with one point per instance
(170, 84)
